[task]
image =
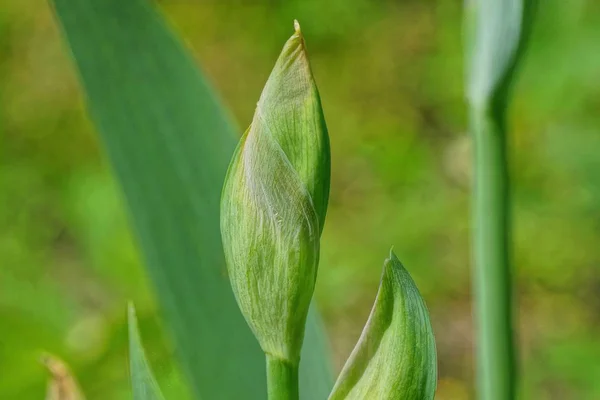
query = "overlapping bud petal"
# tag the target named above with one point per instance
(274, 204)
(395, 357)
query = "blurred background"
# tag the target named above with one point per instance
(390, 74)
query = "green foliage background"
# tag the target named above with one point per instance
(390, 75)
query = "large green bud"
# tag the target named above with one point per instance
(274, 204)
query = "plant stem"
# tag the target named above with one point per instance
(492, 276)
(282, 379)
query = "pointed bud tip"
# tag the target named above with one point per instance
(393, 258)
(392, 254)
(392, 264)
(297, 27)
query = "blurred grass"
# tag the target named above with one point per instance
(390, 74)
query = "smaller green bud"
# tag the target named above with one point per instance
(395, 357)
(274, 203)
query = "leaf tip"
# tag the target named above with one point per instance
(392, 254)
(297, 27)
(130, 311)
(393, 259)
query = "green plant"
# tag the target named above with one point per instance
(143, 383)
(272, 214)
(496, 34)
(165, 132)
(273, 210)
(169, 142)
(395, 356)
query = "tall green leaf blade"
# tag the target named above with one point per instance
(143, 383)
(316, 376)
(169, 144)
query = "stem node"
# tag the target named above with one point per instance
(282, 379)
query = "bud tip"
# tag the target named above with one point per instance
(297, 26)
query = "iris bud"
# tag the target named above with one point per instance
(274, 203)
(395, 357)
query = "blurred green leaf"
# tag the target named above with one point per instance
(496, 31)
(316, 376)
(395, 357)
(143, 383)
(169, 143)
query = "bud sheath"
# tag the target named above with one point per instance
(395, 357)
(274, 204)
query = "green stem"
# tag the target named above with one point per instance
(492, 277)
(282, 379)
